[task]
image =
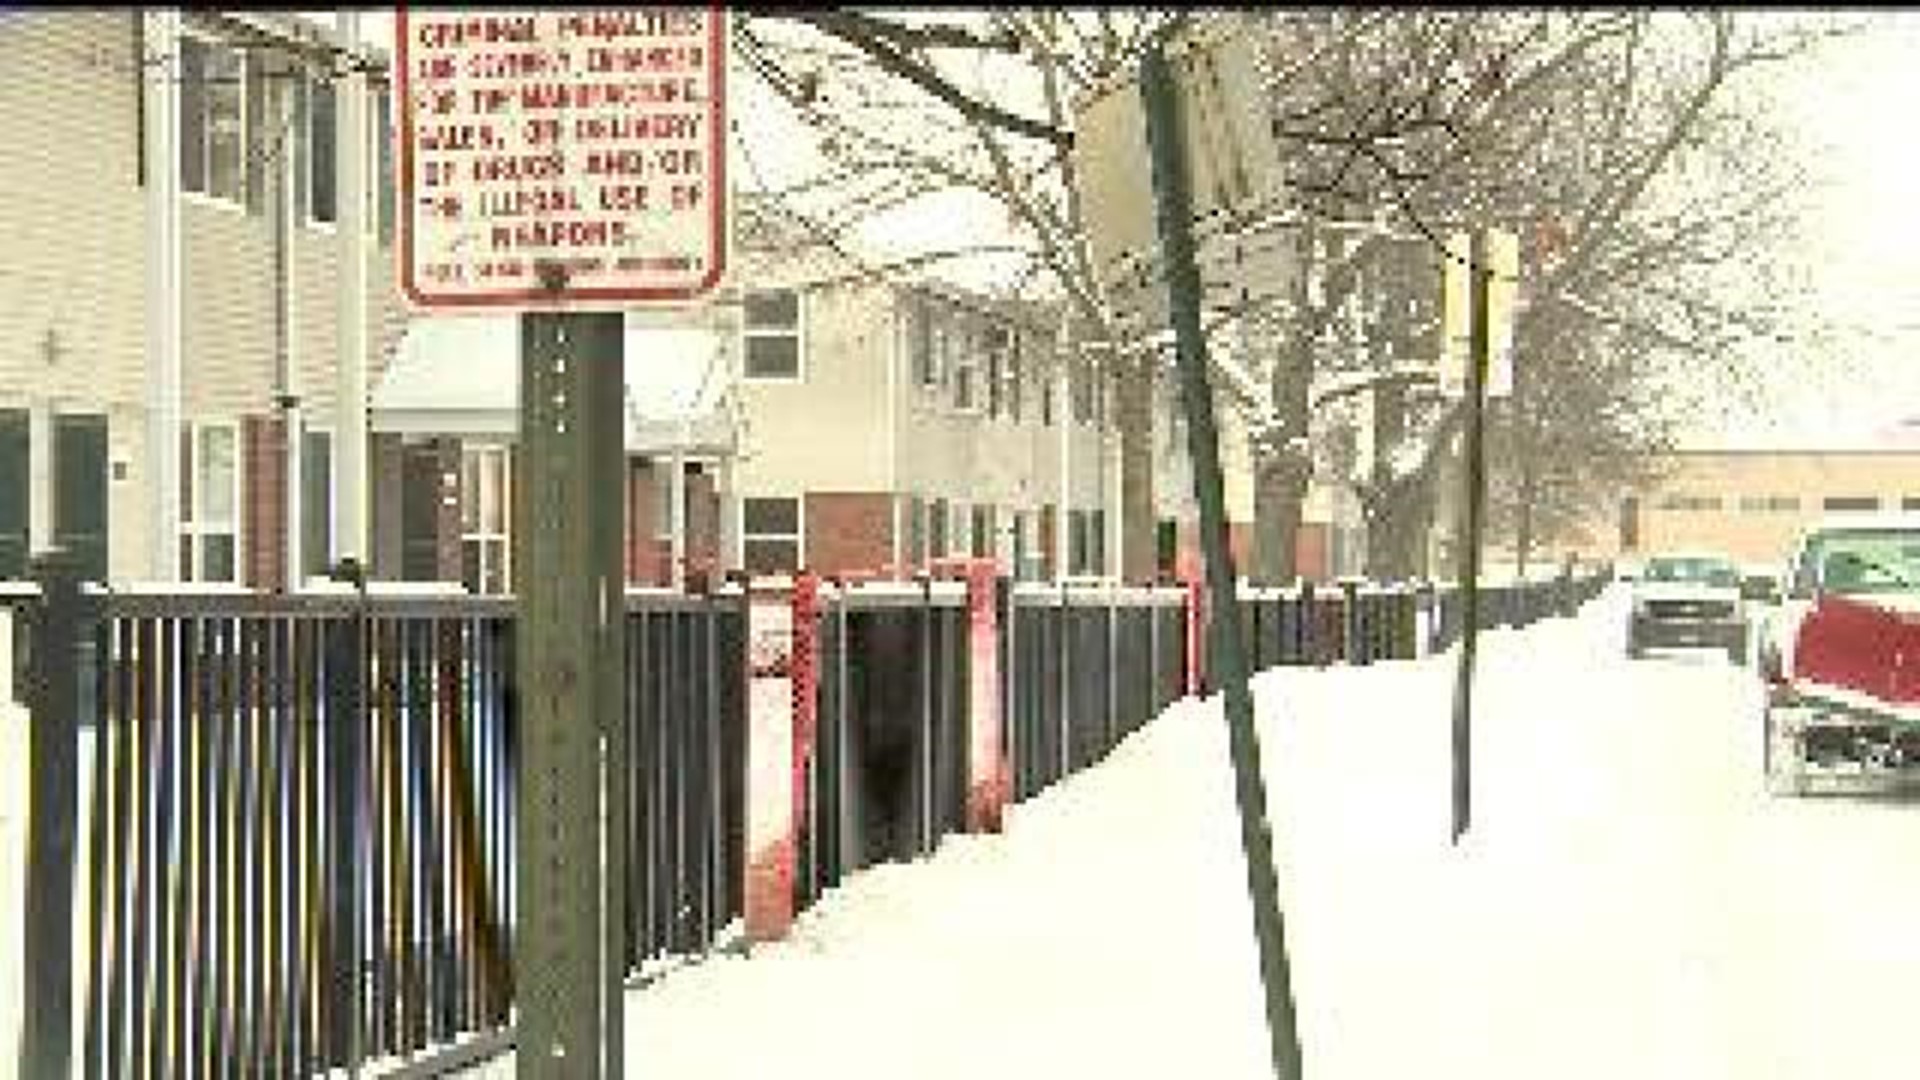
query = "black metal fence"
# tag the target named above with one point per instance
(295, 839)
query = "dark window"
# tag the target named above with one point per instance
(212, 120)
(15, 504)
(995, 344)
(1629, 524)
(322, 145)
(1166, 546)
(937, 530)
(80, 491)
(781, 516)
(193, 115)
(916, 552)
(770, 534)
(1910, 503)
(257, 160)
(383, 175)
(920, 343)
(1850, 503)
(316, 503)
(982, 532)
(772, 334)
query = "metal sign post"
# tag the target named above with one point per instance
(1480, 275)
(570, 841)
(554, 162)
(1160, 99)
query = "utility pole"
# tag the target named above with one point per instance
(1166, 143)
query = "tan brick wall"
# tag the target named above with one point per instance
(848, 532)
(1743, 525)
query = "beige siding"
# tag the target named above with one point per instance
(828, 430)
(227, 362)
(73, 219)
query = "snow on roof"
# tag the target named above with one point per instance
(461, 375)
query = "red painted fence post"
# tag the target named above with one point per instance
(771, 758)
(1196, 677)
(986, 757)
(805, 666)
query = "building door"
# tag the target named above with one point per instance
(420, 513)
(80, 491)
(15, 499)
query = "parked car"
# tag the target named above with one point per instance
(1688, 600)
(1840, 657)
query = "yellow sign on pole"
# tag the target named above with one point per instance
(1456, 313)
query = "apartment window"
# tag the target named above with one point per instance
(1097, 542)
(1015, 377)
(921, 345)
(486, 495)
(663, 504)
(322, 144)
(963, 359)
(1691, 503)
(316, 503)
(212, 120)
(1769, 504)
(209, 496)
(983, 545)
(1850, 503)
(380, 208)
(772, 334)
(993, 341)
(1081, 376)
(937, 530)
(916, 549)
(1078, 553)
(1911, 503)
(770, 531)
(1046, 400)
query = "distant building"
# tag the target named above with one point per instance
(1752, 503)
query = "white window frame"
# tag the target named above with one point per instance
(481, 454)
(748, 333)
(964, 362)
(197, 528)
(799, 536)
(238, 203)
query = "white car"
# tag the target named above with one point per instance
(1688, 600)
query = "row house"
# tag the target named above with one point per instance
(808, 415)
(200, 214)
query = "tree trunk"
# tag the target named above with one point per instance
(1139, 519)
(1280, 490)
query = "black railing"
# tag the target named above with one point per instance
(296, 817)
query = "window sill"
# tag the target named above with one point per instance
(214, 202)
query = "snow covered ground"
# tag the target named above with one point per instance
(1629, 903)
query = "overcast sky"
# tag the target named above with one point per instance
(1852, 109)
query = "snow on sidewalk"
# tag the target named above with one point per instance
(1107, 933)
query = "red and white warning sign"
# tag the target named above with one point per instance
(590, 141)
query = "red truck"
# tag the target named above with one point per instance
(1840, 657)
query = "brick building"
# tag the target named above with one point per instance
(1753, 503)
